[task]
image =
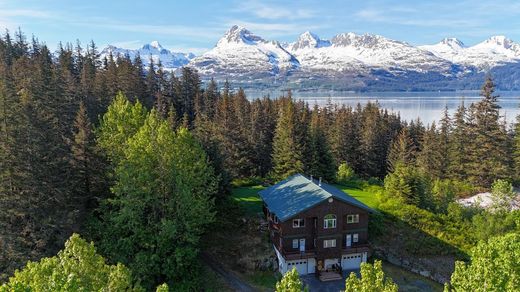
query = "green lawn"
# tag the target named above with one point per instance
(248, 199)
(366, 196)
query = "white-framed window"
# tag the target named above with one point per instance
(275, 219)
(353, 218)
(297, 223)
(355, 237)
(329, 221)
(328, 243)
(295, 243)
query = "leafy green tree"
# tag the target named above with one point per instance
(494, 266)
(161, 205)
(502, 195)
(290, 282)
(121, 121)
(345, 173)
(78, 267)
(287, 149)
(373, 279)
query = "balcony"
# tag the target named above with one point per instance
(356, 248)
(295, 255)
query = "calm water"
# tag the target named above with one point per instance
(428, 106)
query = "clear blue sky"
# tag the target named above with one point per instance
(196, 25)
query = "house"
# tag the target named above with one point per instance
(315, 227)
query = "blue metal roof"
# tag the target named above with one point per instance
(298, 193)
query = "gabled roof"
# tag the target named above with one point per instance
(298, 193)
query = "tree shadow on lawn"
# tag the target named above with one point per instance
(411, 248)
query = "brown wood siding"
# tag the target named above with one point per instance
(310, 232)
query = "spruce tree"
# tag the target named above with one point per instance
(402, 151)
(489, 156)
(321, 160)
(287, 150)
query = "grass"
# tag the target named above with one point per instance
(408, 281)
(263, 279)
(366, 196)
(248, 199)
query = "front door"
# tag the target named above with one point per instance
(349, 240)
(302, 245)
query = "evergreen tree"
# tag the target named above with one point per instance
(458, 146)
(287, 150)
(321, 161)
(403, 150)
(88, 165)
(489, 156)
(344, 137)
(430, 158)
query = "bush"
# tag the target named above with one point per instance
(345, 173)
(247, 181)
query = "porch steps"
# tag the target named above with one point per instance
(330, 276)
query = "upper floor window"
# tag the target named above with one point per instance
(354, 218)
(328, 243)
(355, 237)
(275, 219)
(296, 223)
(329, 221)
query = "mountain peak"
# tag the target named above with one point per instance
(499, 40)
(156, 44)
(153, 45)
(309, 40)
(239, 34)
(452, 42)
(365, 40)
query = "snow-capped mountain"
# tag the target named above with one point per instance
(240, 52)
(495, 51)
(349, 51)
(347, 61)
(169, 60)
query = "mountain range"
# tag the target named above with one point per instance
(347, 61)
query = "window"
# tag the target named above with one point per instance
(355, 237)
(275, 219)
(295, 243)
(297, 223)
(328, 243)
(353, 218)
(329, 221)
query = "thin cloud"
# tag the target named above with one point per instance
(274, 12)
(388, 16)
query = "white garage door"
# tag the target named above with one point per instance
(301, 266)
(351, 261)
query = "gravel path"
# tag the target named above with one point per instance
(234, 281)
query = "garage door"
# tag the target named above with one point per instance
(351, 261)
(301, 266)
